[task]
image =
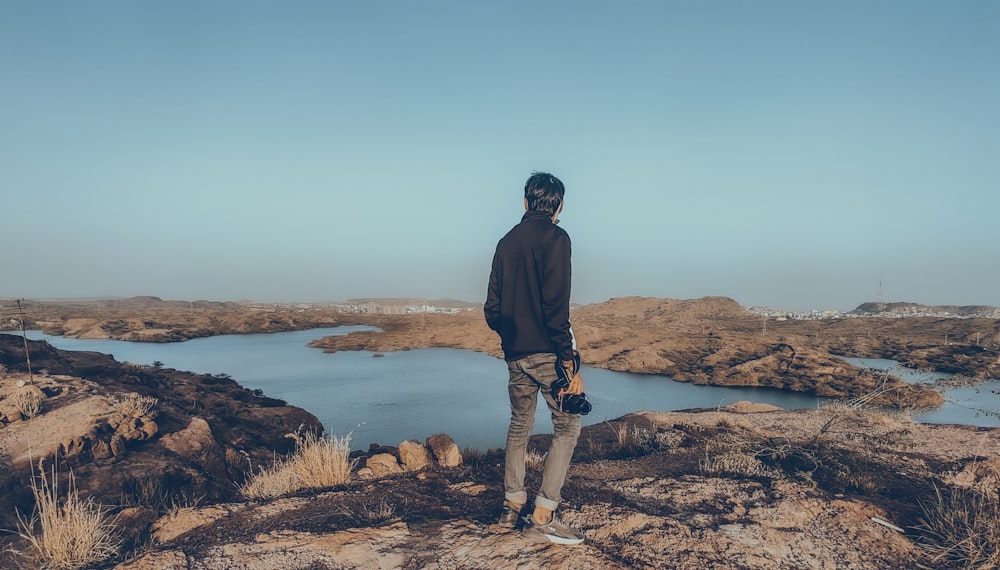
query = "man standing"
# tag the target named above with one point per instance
(528, 305)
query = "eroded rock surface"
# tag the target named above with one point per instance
(651, 501)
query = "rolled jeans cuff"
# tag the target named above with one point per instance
(547, 504)
(518, 498)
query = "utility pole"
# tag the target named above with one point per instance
(24, 335)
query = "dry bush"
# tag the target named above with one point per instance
(534, 459)
(135, 406)
(28, 400)
(317, 463)
(373, 511)
(736, 451)
(635, 440)
(852, 422)
(961, 529)
(842, 453)
(71, 534)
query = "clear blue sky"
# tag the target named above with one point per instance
(785, 153)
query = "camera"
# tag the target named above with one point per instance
(569, 403)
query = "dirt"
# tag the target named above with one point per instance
(653, 502)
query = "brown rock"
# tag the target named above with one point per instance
(141, 428)
(383, 464)
(101, 450)
(149, 427)
(9, 410)
(414, 456)
(445, 450)
(118, 445)
(747, 407)
(195, 438)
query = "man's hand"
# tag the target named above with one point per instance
(575, 385)
(576, 380)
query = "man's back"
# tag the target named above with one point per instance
(528, 298)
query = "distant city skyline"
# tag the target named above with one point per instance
(790, 154)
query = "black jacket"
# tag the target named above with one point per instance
(528, 298)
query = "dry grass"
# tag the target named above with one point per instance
(135, 406)
(373, 511)
(71, 534)
(28, 400)
(533, 459)
(961, 529)
(840, 453)
(318, 462)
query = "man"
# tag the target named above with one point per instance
(528, 305)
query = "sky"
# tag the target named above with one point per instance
(801, 155)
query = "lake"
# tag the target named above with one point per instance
(417, 393)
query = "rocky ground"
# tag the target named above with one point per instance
(749, 486)
(132, 436)
(719, 489)
(745, 487)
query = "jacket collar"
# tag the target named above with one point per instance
(536, 216)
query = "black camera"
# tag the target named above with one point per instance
(569, 403)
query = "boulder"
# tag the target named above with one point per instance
(192, 440)
(383, 464)
(747, 407)
(414, 456)
(445, 450)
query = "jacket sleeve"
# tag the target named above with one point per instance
(556, 281)
(492, 307)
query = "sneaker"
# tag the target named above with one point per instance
(554, 531)
(509, 516)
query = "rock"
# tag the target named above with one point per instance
(133, 523)
(195, 438)
(75, 448)
(747, 407)
(383, 464)
(101, 450)
(118, 445)
(142, 428)
(148, 427)
(445, 450)
(9, 410)
(414, 456)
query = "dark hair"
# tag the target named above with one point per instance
(544, 193)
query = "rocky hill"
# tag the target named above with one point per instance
(916, 309)
(131, 435)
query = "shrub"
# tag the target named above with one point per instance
(317, 463)
(28, 401)
(961, 528)
(72, 534)
(372, 511)
(135, 406)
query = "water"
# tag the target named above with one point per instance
(417, 393)
(974, 405)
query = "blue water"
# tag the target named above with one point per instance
(417, 393)
(974, 405)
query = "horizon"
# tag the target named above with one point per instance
(462, 301)
(793, 155)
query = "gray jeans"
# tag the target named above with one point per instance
(528, 376)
